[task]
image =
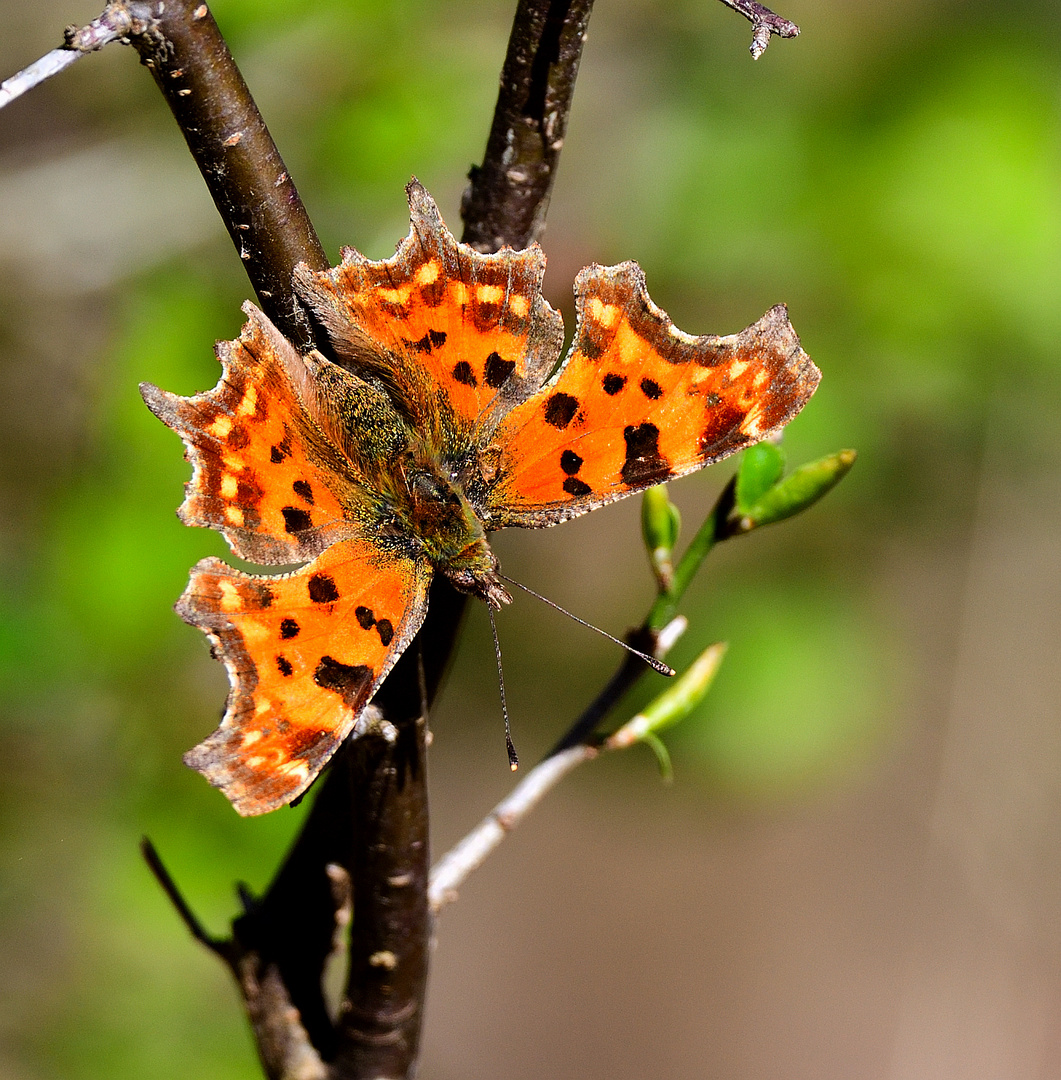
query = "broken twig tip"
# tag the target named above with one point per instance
(764, 23)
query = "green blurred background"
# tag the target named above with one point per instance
(856, 871)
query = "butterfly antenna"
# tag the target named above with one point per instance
(656, 665)
(513, 760)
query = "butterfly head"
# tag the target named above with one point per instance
(475, 571)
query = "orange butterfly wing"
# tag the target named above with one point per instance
(263, 474)
(638, 402)
(304, 653)
(471, 328)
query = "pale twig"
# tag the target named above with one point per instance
(764, 23)
(472, 851)
(48, 65)
(114, 24)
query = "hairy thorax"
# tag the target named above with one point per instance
(429, 505)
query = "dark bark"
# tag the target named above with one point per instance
(508, 197)
(250, 185)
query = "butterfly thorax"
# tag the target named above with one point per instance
(429, 506)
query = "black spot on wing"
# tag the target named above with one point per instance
(613, 383)
(283, 665)
(322, 589)
(303, 490)
(570, 462)
(437, 338)
(560, 410)
(574, 486)
(296, 520)
(462, 372)
(365, 617)
(349, 681)
(644, 464)
(289, 629)
(651, 389)
(498, 370)
(385, 630)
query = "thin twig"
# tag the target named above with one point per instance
(48, 65)
(113, 25)
(764, 23)
(473, 850)
(218, 946)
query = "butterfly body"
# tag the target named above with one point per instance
(435, 422)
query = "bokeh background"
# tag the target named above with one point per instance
(855, 872)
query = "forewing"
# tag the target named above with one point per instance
(263, 473)
(638, 402)
(473, 328)
(304, 654)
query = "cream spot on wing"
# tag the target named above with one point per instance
(233, 463)
(518, 305)
(254, 632)
(249, 402)
(250, 737)
(605, 314)
(234, 516)
(460, 293)
(760, 380)
(230, 599)
(394, 296)
(254, 762)
(263, 706)
(229, 486)
(428, 273)
(489, 294)
(737, 368)
(297, 770)
(220, 427)
(751, 424)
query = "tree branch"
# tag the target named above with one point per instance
(508, 197)
(181, 46)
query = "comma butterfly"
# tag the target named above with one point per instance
(441, 424)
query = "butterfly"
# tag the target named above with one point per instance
(438, 419)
